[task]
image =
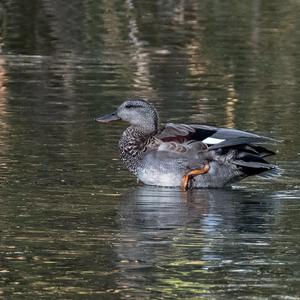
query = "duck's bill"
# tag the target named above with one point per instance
(108, 118)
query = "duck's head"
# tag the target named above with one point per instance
(138, 112)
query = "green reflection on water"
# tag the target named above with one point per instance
(72, 222)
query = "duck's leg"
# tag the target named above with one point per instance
(187, 177)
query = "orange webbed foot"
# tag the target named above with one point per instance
(187, 177)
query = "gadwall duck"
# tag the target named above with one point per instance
(187, 156)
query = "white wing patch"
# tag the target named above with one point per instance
(212, 141)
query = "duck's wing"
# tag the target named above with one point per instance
(243, 148)
(182, 132)
(215, 138)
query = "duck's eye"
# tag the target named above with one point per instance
(128, 106)
(132, 106)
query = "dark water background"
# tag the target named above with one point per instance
(73, 223)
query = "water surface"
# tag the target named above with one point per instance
(74, 223)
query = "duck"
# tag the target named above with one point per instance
(187, 156)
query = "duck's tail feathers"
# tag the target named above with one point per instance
(253, 164)
(271, 173)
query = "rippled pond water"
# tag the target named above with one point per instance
(74, 223)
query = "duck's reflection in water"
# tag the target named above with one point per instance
(165, 232)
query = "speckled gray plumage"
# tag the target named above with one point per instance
(133, 147)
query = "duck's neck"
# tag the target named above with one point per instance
(132, 146)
